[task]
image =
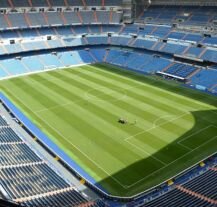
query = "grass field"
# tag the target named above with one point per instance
(169, 127)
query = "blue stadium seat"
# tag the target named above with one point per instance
(14, 66)
(33, 63)
(210, 55)
(98, 54)
(180, 70)
(206, 78)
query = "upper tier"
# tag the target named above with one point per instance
(184, 15)
(56, 3)
(24, 20)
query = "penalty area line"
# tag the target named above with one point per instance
(155, 126)
(146, 152)
(198, 131)
(129, 186)
(96, 164)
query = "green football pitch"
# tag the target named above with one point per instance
(169, 127)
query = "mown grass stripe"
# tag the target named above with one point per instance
(165, 141)
(66, 93)
(101, 139)
(137, 113)
(125, 163)
(68, 80)
(156, 85)
(141, 91)
(136, 105)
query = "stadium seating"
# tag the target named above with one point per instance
(87, 17)
(180, 70)
(98, 54)
(28, 33)
(144, 62)
(197, 189)
(33, 63)
(130, 29)
(178, 198)
(176, 35)
(71, 18)
(69, 198)
(147, 30)
(85, 57)
(187, 15)
(161, 31)
(3, 23)
(5, 4)
(29, 40)
(72, 41)
(13, 66)
(66, 58)
(120, 40)
(173, 48)
(36, 19)
(206, 78)
(194, 51)
(80, 36)
(210, 40)
(7, 135)
(210, 55)
(3, 73)
(156, 64)
(34, 45)
(17, 20)
(97, 40)
(13, 154)
(3, 122)
(111, 28)
(50, 61)
(29, 180)
(30, 19)
(193, 37)
(141, 59)
(54, 3)
(204, 184)
(141, 43)
(17, 3)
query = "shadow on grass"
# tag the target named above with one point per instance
(199, 142)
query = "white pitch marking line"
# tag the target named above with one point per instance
(198, 131)
(73, 102)
(188, 148)
(129, 186)
(124, 186)
(153, 127)
(52, 107)
(86, 96)
(169, 92)
(146, 152)
(162, 117)
(96, 98)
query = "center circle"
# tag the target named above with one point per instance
(105, 94)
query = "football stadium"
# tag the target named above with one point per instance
(108, 103)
